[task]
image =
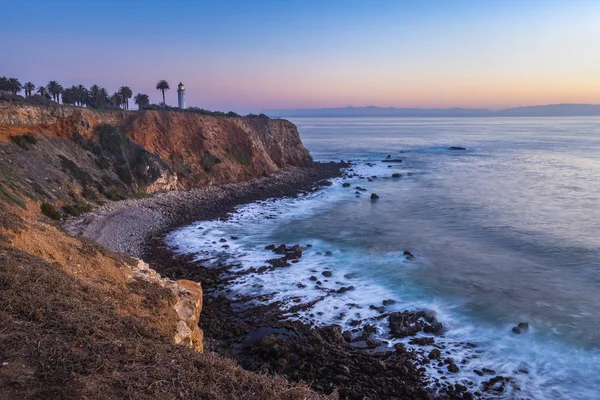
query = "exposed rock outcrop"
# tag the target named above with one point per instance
(115, 154)
(188, 305)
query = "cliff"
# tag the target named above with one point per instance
(99, 155)
(80, 321)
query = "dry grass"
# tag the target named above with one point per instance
(73, 326)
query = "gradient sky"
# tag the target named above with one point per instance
(251, 55)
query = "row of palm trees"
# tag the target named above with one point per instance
(95, 96)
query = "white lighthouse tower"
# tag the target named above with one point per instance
(181, 95)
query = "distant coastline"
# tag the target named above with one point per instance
(550, 110)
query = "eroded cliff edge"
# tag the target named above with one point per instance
(118, 154)
(81, 321)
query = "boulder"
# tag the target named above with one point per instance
(326, 274)
(374, 196)
(523, 327)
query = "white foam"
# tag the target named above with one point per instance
(554, 370)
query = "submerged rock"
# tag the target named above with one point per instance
(374, 196)
(396, 175)
(346, 184)
(456, 148)
(523, 327)
(408, 254)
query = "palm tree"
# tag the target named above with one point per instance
(68, 96)
(163, 85)
(4, 83)
(142, 100)
(29, 89)
(117, 99)
(103, 96)
(42, 91)
(82, 95)
(14, 86)
(55, 89)
(126, 93)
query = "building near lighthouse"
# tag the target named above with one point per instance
(181, 95)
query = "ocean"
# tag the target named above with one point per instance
(506, 231)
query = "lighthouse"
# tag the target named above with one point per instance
(181, 95)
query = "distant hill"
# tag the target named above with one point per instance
(552, 110)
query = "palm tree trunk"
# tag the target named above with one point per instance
(163, 92)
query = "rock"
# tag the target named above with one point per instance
(456, 148)
(326, 274)
(324, 182)
(313, 278)
(374, 196)
(281, 249)
(234, 238)
(453, 368)
(400, 348)
(351, 275)
(408, 254)
(294, 252)
(496, 384)
(379, 309)
(423, 341)
(222, 240)
(279, 262)
(328, 253)
(360, 188)
(344, 289)
(270, 247)
(346, 184)
(434, 354)
(368, 330)
(396, 175)
(347, 336)
(389, 157)
(394, 160)
(523, 327)
(389, 302)
(332, 333)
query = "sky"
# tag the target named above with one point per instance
(251, 55)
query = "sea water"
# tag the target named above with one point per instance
(506, 231)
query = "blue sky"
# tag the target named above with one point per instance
(254, 55)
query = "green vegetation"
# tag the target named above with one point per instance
(11, 85)
(209, 160)
(24, 141)
(50, 211)
(29, 88)
(141, 100)
(241, 157)
(76, 209)
(163, 85)
(126, 94)
(83, 177)
(98, 98)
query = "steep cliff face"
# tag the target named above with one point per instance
(98, 155)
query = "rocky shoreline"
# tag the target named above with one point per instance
(262, 337)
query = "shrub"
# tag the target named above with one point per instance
(24, 141)
(83, 177)
(76, 209)
(50, 211)
(209, 160)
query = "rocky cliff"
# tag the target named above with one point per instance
(109, 155)
(80, 321)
